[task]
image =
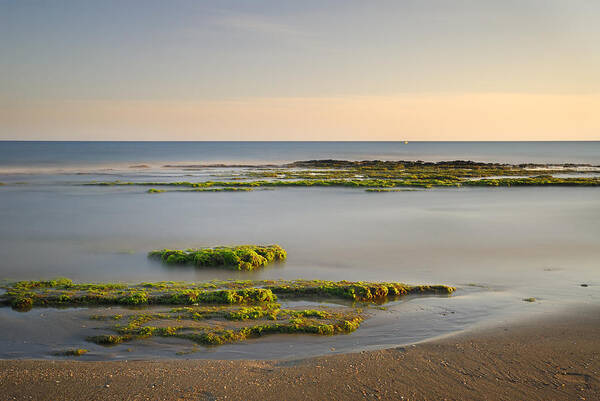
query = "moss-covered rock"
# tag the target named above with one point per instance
(243, 257)
(25, 295)
(377, 176)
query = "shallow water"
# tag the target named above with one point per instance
(497, 245)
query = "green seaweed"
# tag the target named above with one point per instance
(376, 175)
(223, 189)
(536, 181)
(109, 339)
(25, 295)
(389, 190)
(217, 331)
(73, 352)
(135, 296)
(215, 189)
(220, 337)
(244, 257)
(355, 291)
(55, 283)
(216, 312)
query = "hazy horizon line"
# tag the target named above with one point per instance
(293, 141)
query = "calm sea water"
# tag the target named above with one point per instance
(63, 154)
(497, 245)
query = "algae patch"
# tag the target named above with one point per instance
(215, 312)
(72, 352)
(222, 325)
(24, 295)
(244, 257)
(377, 176)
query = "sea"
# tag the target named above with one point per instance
(498, 246)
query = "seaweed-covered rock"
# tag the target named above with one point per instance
(243, 257)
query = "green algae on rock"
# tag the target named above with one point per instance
(25, 299)
(215, 189)
(355, 291)
(220, 189)
(243, 257)
(544, 180)
(215, 312)
(225, 324)
(73, 352)
(24, 295)
(376, 174)
(376, 190)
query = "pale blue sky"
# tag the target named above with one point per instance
(156, 50)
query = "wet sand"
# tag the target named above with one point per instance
(556, 358)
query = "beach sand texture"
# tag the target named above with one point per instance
(551, 358)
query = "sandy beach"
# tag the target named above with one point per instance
(545, 358)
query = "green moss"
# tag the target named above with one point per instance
(529, 299)
(191, 296)
(251, 313)
(217, 312)
(25, 296)
(109, 339)
(106, 317)
(64, 298)
(536, 181)
(73, 352)
(244, 257)
(55, 283)
(155, 191)
(223, 189)
(377, 176)
(97, 287)
(295, 326)
(268, 311)
(22, 302)
(356, 291)
(134, 298)
(388, 190)
(218, 332)
(311, 313)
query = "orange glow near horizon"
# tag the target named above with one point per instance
(469, 117)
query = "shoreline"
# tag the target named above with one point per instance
(547, 357)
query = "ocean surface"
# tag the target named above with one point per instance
(39, 155)
(497, 245)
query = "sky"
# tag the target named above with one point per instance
(300, 70)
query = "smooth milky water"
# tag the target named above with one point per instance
(497, 245)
